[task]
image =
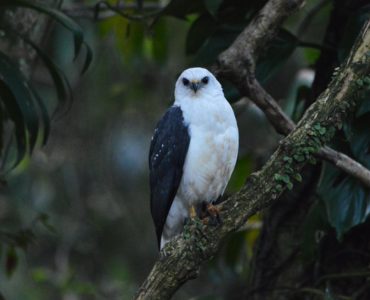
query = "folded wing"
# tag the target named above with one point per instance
(167, 155)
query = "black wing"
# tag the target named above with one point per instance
(166, 160)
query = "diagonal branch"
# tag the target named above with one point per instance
(238, 64)
(182, 257)
(284, 125)
(346, 164)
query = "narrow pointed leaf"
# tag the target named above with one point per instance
(15, 114)
(88, 59)
(60, 80)
(57, 15)
(11, 261)
(14, 79)
(44, 116)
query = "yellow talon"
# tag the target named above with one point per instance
(193, 213)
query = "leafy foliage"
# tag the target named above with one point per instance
(21, 101)
(279, 51)
(146, 48)
(347, 200)
(20, 240)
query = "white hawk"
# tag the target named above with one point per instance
(193, 152)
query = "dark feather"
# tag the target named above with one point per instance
(166, 160)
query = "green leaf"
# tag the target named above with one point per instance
(181, 8)
(216, 43)
(212, 6)
(44, 116)
(88, 59)
(288, 159)
(199, 31)
(11, 261)
(39, 275)
(130, 38)
(22, 238)
(56, 15)
(346, 200)
(298, 157)
(62, 86)
(311, 55)
(279, 51)
(298, 177)
(364, 106)
(314, 226)
(243, 169)
(358, 136)
(15, 114)
(62, 19)
(351, 31)
(44, 220)
(160, 40)
(21, 91)
(289, 185)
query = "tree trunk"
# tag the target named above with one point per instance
(278, 267)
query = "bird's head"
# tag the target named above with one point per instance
(196, 83)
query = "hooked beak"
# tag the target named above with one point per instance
(195, 85)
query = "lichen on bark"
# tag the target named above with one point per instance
(183, 256)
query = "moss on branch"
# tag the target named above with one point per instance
(181, 258)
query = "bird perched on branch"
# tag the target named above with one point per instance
(192, 154)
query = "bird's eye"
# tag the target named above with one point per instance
(205, 79)
(185, 81)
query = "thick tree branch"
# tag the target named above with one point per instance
(238, 64)
(182, 257)
(238, 61)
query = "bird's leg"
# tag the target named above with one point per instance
(192, 215)
(192, 212)
(213, 214)
(192, 224)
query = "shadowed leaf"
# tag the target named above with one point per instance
(21, 102)
(62, 19)
(11, 261)
(199, 31)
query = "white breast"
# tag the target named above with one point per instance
(212, 151)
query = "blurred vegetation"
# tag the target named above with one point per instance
(76, 122)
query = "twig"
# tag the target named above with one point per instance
(238, 64)
(101, 11)
(341, 276)
(346, 164)
(320, 293)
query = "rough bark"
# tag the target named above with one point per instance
(237, 64)
(181, 258)
(281, 238)
(277, 254)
